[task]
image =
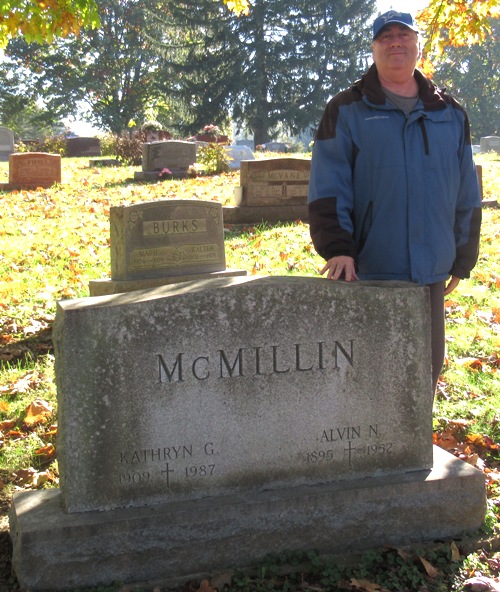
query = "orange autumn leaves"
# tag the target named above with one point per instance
(36, 419)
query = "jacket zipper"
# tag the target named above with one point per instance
(424, 134)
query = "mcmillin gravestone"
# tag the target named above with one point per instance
(206, 424)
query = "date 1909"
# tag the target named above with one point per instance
(320, 456)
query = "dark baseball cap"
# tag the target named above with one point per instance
(393, 16)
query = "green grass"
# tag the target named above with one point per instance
(53, 241)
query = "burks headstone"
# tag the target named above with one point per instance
(162, 242)
(272, 190)
(175, 155)
(207, 424)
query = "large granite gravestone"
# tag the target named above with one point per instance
(204, 425)
(164, 242)
(80, 146)
(175, 155)
(6, 143)
(272, 190)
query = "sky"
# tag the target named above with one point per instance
(410, 6)
(85, 129)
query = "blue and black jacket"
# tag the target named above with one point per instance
(398, 193)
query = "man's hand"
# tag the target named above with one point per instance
(451, 285)
(341, 267)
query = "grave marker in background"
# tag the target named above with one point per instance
(237, 154)
(80, 146)
(164, 242)
(29, 170)
(6, 143)
(175, 155)
(488, 143)
(272, 190)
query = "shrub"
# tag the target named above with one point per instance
(213, 159)
(128, 149)
(52, 145)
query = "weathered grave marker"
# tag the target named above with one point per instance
(272, 190)
(215, 422)
(237, 154)
(488, 143)
(81, 146)
(33, 169)
(163, 242)
(175, 155)
(6, 143)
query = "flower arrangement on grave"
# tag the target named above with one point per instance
(151, 126)
(165, 174)
(211, 130)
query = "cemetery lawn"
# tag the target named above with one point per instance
(53, 241)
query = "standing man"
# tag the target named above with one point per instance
(393, 191)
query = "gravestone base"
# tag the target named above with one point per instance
(27, 186)
(108, 286)
(175, 542)
(155, 175)
(104, 162)
(257, 214)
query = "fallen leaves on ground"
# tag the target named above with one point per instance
(38, 412)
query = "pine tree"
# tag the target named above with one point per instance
(277, 65)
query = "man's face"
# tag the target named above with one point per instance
(396, 50)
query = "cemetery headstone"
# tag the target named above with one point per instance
(207, 424)
(162, 242)
(175, 155)
(275, 147)
(273, 189)
(6, 143)
(249, 143)
(34, 169)
(489, 143)
(80, 146)
(237, 154)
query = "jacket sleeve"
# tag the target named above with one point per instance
(468, 209)
(330, 197)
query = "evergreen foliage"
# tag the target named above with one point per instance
(279, 63)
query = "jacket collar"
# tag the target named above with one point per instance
(429, 93)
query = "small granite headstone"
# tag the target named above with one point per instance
(249, 143)
(275, 147)
(275, 181)
(489, 143)
(237, 154)
(80, 146)
(34, 169)
(164, 242)
(171, 237)
(272, 190)
(175, 155)
(6, 143)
